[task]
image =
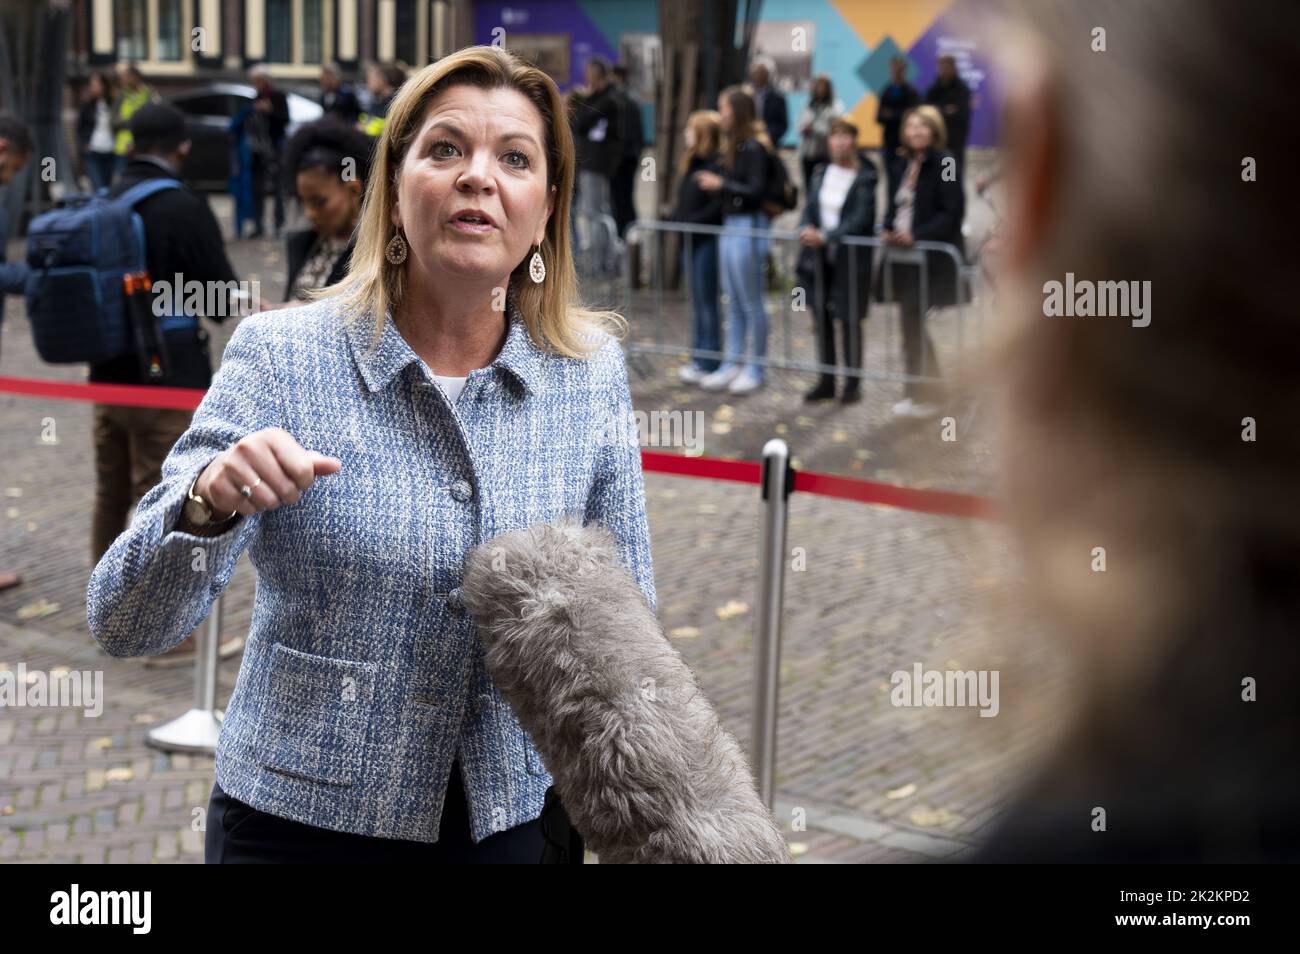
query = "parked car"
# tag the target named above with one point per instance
(209, 109)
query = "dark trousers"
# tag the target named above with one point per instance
(100, 167)
(825, 321)
(809, 166)
(622, 190)
(130, 445)
(918, 350)
(237, 833)
(266, 173)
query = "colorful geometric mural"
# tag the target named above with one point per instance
(852, 41)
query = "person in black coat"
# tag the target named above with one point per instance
(330, 165)
(895, 100)
(337, 97)
(182, 246)
(951, 96)
(837, 277)
(95, 139)
(695, 206)
(770, 105)
(270, 114)
(596, 118)
(927, 205)
(623, 184)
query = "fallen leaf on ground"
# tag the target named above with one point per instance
(37, 609)
(732, 608)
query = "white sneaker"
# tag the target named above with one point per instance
(744, 383)
(719, 379)
(909, 408)
(690, 373)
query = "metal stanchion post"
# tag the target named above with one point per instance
(197, 730)
(778, 481)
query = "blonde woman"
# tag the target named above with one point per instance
(926, 205)
(702, 138)
(448, 390)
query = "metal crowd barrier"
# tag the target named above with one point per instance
(912, 255)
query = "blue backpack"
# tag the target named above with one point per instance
(77, 255)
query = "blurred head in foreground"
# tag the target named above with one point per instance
(1159, 443)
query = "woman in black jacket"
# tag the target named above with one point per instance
(741, 186)
(330, 162)
(95, 137)
(837, 277)
(928, 205)
(700, 251)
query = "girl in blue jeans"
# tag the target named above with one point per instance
(740, 183)
(696, 206)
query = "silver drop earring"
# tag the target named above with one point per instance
(537, 267)
(395, 250)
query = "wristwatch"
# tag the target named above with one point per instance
(197, 511)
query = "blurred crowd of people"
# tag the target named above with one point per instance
(728, 179)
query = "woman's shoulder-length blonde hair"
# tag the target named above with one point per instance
(557, 319)
(931, 116)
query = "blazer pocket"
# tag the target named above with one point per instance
(315, 715)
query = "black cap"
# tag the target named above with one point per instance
(157, 126)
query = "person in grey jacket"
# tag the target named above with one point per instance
(449, 390)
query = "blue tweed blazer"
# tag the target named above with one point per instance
(363, 676)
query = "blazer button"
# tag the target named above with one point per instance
(462, 490)
(455, 601)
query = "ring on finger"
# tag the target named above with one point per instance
(247, 491)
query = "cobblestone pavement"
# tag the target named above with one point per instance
(870, 591)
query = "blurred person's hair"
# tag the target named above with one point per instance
(821, 82)
(157, 129)
(1132, 438)
(553, 310)
(328, 144)
(394, 74)
(931, 116)
(16, 133)
(107, 84)
(839, 124)
(706, 126)
(600, 65)
(745, 125)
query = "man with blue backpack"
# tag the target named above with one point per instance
(96, 293)
(181, 238)
(15, 149)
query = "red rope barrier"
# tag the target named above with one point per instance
(135, 395)
(941, 502)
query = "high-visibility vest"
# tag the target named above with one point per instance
(371, 125)
(127, 104)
